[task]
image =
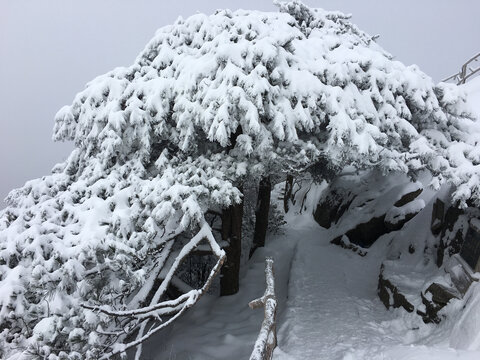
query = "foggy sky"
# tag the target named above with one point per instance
(50, 49)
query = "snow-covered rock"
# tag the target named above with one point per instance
(368, 205)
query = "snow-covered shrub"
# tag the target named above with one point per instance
(211, 100)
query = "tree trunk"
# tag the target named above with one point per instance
(261, 213)
(231, 232)
(287, 195)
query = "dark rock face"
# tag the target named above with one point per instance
(399, 225)
(470, 251)
(331, 209)
(452, 233)
(435, 298)
(407, 198)
(391, 296)
(374, 204)
(437, 217)
(366, 234)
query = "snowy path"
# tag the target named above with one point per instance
(328, 310)
(333, 312)
(332, 305)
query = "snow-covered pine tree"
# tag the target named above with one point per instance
(87, 253)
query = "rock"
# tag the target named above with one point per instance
(355, 197)
(390, 295)
(460, 277)
(332, 207)
(437, 217)
(399, 224)
(470, 251)
(435, 298)
(460, 274)
(452, 233)
(366, 234)
(441, 294)
(345, 243)
(411, 249)
(409, 197)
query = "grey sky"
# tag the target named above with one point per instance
(50, 49)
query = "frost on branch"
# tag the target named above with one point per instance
(211, 101)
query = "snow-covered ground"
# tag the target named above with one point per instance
(328, 309)
(226, 328)
(333, 311)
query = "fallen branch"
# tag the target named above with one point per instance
(267, 338)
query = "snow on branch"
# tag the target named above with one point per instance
(172, 308)
(267, 338)
(87, 253)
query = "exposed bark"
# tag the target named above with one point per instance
(261, 213)
(231, 232)
(287, 196)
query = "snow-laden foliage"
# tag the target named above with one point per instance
(455, 141)
(295, 78)
(210, 101)
(81, 236)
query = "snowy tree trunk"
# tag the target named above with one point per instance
(267, 338)
(261, 213)
(287, 195)
(231, 232)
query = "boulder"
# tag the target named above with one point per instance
(390, 295)
(367, 233)
(396, 217)
(435, 298)
(332, 207)
(344, 242)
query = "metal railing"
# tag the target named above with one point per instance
(466, 72)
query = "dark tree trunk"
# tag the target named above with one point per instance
(261, 213)
(287, 195)
(231, 232)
